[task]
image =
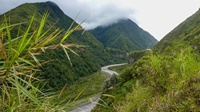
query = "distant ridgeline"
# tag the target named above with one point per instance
(58, 70)
(124, 35)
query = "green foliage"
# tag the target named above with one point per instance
(20, 88)
(109, 83)
(91, 54)
(158, 83)
(136, 55)
(88, 86)
(118, 56)
(166, 80)
(124, 35)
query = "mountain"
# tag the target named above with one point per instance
(59, 71)
(185, 34)
(166, 79)
(124, 35)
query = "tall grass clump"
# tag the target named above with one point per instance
(20, 88)
(158, 83)
(165, 83)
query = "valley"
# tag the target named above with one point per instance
(92, 100)
(48, 63)
(165, 79)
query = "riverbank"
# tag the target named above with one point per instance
(88, 106)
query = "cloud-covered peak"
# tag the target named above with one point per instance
(99, 13)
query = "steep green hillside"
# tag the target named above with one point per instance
(58, 71)
(167, 79)
(185, 34)
(124, 35)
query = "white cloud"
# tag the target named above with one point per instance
(158, 17)
(100, 12)
(161, 16)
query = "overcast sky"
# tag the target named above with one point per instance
(158, 17)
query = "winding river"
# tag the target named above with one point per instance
(88, 106)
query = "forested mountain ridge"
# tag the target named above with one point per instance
(124, 35)
(59, 71)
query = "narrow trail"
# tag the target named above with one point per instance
(88, 106)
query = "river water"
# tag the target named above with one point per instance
(88, 106)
